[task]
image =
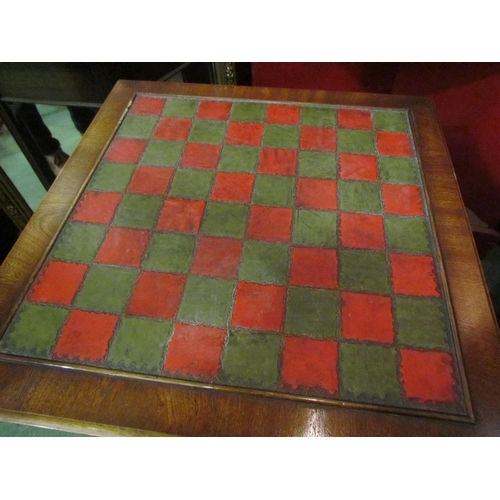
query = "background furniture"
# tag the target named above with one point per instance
(14, 214)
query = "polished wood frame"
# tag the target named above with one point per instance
(106, 402)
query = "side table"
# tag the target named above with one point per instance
(350, 300)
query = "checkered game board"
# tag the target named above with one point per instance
(286, 248)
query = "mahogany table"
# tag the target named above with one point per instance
(312, 268)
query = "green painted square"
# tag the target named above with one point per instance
(106, 289)
(170, 252)
(356, 141)
(207, 301)
(137, 127)
(407, 234)
(318, 164)
(315, 227)
(312, 313)
(211, 131)
(420, 323)
(390, 121)
(191, 183)
(264, 263)
(225, 219)
(248, 112)
(180, 108)
(369, 372)
(364, 271)
(394, 170)
(34, 330)
(79, 242)
(112, 177)
(281, 136)
(251, 360)
(139, 345)
(162, 153)
(239, 159)
(274, 190)
(318, 117)
(138, 211)
(359, 196)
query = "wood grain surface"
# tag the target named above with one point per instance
(106, 402)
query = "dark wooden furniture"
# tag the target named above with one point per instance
(88, 84)
(14, 214)
(103, 402)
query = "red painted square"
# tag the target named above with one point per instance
(310, 364)
(205, 156)
(278, 161)
(244, 134)
(181, 215)
(394, 144)
(362, 231)
(86, 336)
(317, 193)
(284, 114)
(217, 257)
(358, 167)
(147, 105)
(402, 200)
(151, 180)
(367, 317)
(270, 223)
(324, 139)
(58, 283)
(315, 267)
(233, 187)
(428, 376)
(414, 275)
(157, 295)
(97, 207)
(214, 110)
(173, 129)
(259, 307)
(353, 118)
(123, 247)
(195, 350)
(124, 150)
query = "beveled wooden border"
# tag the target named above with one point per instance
(166, 408)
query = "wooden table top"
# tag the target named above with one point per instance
(92, 398)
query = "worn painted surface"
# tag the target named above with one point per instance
(285, 248)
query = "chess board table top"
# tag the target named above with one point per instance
(245, 261)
